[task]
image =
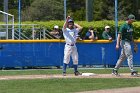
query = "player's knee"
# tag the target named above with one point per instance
(66, 61)
(129, 56)
(75, 62)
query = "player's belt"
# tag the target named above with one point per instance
(71, 44)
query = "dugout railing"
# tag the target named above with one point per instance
(27, 32)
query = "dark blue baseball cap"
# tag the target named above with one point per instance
(70, 20)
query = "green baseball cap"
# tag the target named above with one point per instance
(131, 17)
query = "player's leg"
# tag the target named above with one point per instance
(66, 60)
(129, 55)
(75, 60)
(120, 60)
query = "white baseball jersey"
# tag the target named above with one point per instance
(70, 35)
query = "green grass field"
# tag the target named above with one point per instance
(63, 85)
(59, 71)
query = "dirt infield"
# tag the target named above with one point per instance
(125, 75)
(120, 90)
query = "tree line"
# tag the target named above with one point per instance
(44, 10)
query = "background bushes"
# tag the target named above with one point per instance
(98, 25)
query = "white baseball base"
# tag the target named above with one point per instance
(88, 74)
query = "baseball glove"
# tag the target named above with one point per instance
(135, 48)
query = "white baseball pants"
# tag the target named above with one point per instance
(70, 51)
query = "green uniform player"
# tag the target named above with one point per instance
(125, 39)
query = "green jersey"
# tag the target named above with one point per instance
(106, 35)
(126, 31)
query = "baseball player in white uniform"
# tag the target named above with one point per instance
(70, 32)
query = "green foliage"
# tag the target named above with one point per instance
(33, 10)
(137, 30)
(45, 10)
(98, 25)
(105, 9)
(76, 9)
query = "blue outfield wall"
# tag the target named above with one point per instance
(32, 54)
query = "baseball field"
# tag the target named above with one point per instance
(52, 81)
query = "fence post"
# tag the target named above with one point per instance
(33, 32)
(116, 17)
(13, 31)
(44, 33)
(89, 10)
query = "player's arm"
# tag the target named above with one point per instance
(66, 23)
(53, 33)
(78, 27)
(118, 41)
(109, 37)
(119, 36)
(92, 34)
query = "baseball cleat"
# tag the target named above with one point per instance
(134, 73)
(64, 73)
(115, 72)
(77, 73)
